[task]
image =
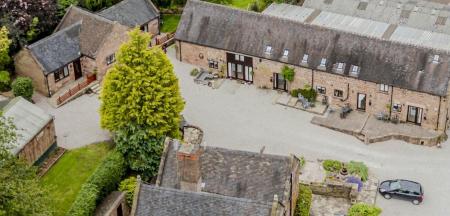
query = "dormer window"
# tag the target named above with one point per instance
(354, 70)
(340, 66)
(305, 59)
(285, 53)
(268, 49)
(436, 59)
(323, 62)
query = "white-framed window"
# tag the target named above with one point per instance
(340, 66)
(396, 107)
(61, 73)
(305, 59)
(285, 53)
(321, 89)
(384, 88)
(241, 58)
(236, 57)
(213, 64)
(268, 49)
(436, 59)
(323, 62)
(354, 70)
(338, 93)
(110, 59)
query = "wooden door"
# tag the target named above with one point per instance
(77, 69)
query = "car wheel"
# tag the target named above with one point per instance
(416, 202)
(387, 196)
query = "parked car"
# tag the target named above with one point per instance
(402, 189)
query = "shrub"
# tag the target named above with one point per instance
(23, 86)
(128, 185)
(194, 72)
(332, 165)
(288, 73)
(309, 93)
(302, 161)
(295, 92)
(104, 180)
(358, 168)
(304, 201)
(363, 209)
(86, 201)
(5, 80)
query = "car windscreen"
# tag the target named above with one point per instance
(412, 187)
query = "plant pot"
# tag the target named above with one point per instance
(91, 77)
(344, 171)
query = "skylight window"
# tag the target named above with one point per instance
(436, 59)
(285, 53)
(305, 59)
(441, 20)
(355, 70)
(323, 62)
(362, 5)
(340, 66)
(268, 49)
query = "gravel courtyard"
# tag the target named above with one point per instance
(243, 117)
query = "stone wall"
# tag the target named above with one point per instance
(435, 108)
(54, 86)
(334, 189)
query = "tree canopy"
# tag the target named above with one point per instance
(141, 102)
(5, 43)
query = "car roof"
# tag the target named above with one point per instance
(410, 185)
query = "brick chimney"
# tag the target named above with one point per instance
(188, 158)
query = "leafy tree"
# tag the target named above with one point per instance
(4, 80)
(64, 4)
(18, 17)
(288, 73)
(21, 193)
(141, 89)
(23, 86)
(95, 5)
(224, 2)
(128, 186)
(5, 42)
(141, 102)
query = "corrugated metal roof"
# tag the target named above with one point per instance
(28, 119)
(414, 36)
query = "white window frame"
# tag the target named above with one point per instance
(396, 107)
(383, 88)
(236, 57)
(323, 62)
(340, 66)
(285, 53)
(321, 90)
(355, 70)
(436, 59)
(268, 49)
(305, 58)
(241, 58)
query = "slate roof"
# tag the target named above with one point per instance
(131, 12)
(94, 29)
(159, 201)
(235, 173)
(58, 49)
(380, 61)
(28, 118)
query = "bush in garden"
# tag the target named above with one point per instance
(363, 209)
(288, 73)
(358, 168)
(308, 93)
(104, 180)
(304, 201)
(128, 185)
(194, 72)
(295, 92)
(23, 86)
(332, 165)
(5, 80)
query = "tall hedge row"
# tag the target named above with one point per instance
(304, 200)
(104, 180)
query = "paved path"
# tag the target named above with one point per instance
(243, 117)
(77, 122)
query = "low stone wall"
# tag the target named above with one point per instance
(334, 189)
(426, 141)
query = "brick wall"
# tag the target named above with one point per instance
(376, 100)
(54, 86)
(25, 65)
(153, 26)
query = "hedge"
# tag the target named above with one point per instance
(332, 165)
(303, 205)
(128, 186)
(363, 209)
(23, 86)
(5, 80)
(104, 180)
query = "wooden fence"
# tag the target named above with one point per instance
(74, 90)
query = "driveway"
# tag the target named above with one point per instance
(77, 122)
(243, 117)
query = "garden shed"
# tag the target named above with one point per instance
(35, 130)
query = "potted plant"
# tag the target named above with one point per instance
(92, 76)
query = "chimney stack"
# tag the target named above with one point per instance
(188, 157)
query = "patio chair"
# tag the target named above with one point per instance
(305, 103)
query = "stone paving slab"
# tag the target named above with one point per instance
(352, 124)
(286, 99)
(328, 206)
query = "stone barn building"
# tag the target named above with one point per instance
(35, 130)
(371, 66)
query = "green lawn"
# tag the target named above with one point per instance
(242, 4)
(170, 22)
(65, 178)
